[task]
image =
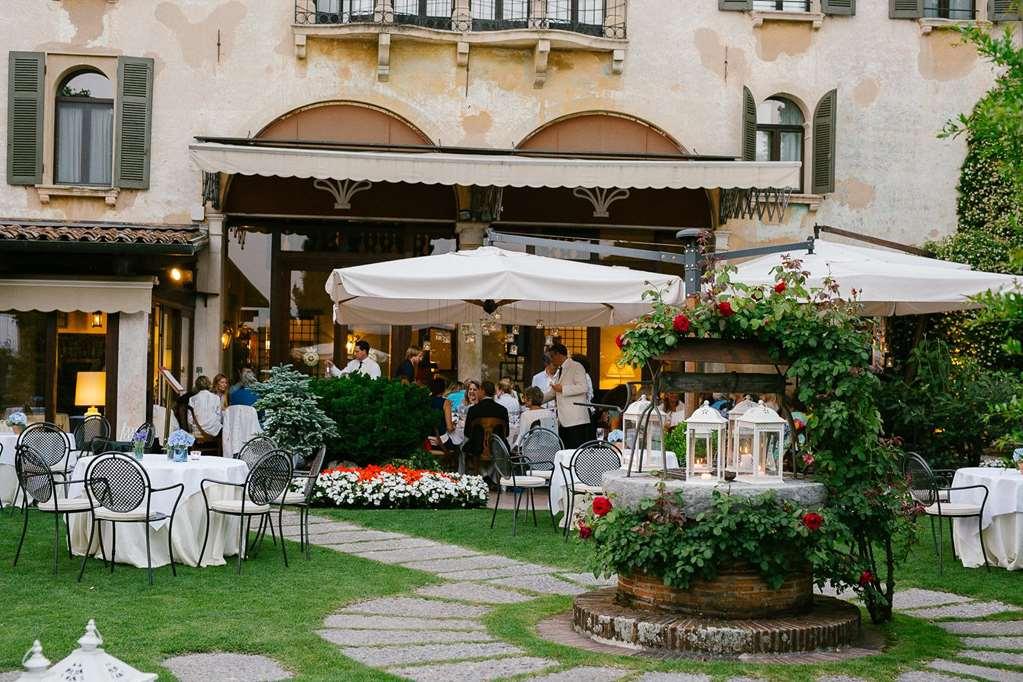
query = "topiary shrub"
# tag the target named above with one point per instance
(377, 420)
(291, 416)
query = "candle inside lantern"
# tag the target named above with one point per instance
(706, 476)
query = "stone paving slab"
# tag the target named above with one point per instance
(542, 584)
(839, 678)
(423, 608)
(404, 556)
(993, 657)
(994, 642)
(225, 667)
(976, 609)
(351, 537)
(470, 671)
(981, 671)
(914, 598)
(392, 545)
(378, 637)
(386, 656)
(11, 676)
(356, 621)
(474, 593)
(830, 591)
(985, 627)
(584, 674)
(589, 579)
(503, 572)
(672, 677)
(921, 676)
(467, 564)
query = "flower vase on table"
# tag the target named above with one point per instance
(178, 444)
(17, 421)
(138, 444)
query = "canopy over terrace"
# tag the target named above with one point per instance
(522, 288)
(887, 282)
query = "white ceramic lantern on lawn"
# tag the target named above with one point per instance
(87, 663)
(758, 445)
(706, 433)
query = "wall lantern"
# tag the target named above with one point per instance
(97, 320)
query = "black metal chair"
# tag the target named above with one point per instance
(101, 445)
(267, 481)
(52, 445)
(119, 491)
(584, 473)
(35, 479)
(928, 489)
(90, 429)
(539, 447)
(511, 472)
(255, 449)
(302, 499)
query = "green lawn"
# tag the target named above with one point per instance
(269, 609)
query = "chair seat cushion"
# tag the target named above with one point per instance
(523, 481)
(65, 505)
(291, 498)
(235, 507)
(583, 488)
(540, 473)
(953, 509)
(133, 515)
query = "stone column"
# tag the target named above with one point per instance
(470, 355)
(209, 317)
(132, 358)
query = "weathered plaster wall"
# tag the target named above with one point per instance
(684, 72)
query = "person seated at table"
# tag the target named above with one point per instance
(444, 425)
(487, 407)
(205, 416)
(456, 394)
(506, 396)
(407, 369)
(243, 394)
(674, 410)
(535, 414)
(221, 387)
(472, 391)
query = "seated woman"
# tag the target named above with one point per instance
(444, 425)
(674, 410)
(535, 414)
(205, 414)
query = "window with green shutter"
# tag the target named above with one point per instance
(749, 126)
(1004, 10)
(824, 117)
(840, 7)
(133, 130)
(25, 118)
(905, 9)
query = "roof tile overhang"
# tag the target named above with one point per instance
(96, 237)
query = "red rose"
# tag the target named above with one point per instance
(725, 308)
(813, 521)
(866, 578)
(620, 341)
(601, 505)
(584, 531)
(780, 287)
(681, 324)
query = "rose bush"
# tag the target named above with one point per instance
(389, 487)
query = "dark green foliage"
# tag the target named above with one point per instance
(377, 419)
(291, 417)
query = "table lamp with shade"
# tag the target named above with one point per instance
(91, 391)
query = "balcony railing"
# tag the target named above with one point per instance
(962, 10)
(781, 5)
(604, 18)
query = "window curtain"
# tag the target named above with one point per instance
(85, 143)
(101, 145)
(791, 146)
(70, 143)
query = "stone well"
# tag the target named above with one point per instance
(737, 612)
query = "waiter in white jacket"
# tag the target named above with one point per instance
(568, 387)
(362, 364)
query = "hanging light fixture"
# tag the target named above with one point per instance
(97, 320)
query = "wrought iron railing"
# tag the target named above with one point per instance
(781, 5)
(592, 17)
(951, 9)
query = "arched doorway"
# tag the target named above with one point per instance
(285, 235)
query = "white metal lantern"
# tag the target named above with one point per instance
(632, 418)
(89, 663)
(706, 431)
(737, 411)
(757, 445)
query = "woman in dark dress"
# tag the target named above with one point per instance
(407, 370)
(444, 425)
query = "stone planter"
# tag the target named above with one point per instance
(737, 593)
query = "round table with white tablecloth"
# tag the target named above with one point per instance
(8, 475)
(189, 519)
(1002, 521)
(651, 460)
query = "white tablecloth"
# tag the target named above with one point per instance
(651, 460)
(189, 521)
(1002, 520)
(8, 475)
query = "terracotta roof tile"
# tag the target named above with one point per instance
(103, 233)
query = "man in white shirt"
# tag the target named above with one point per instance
(542, 379)
(362, 364)
(568, 388)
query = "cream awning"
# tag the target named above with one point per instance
(126, 295)
(496, 170)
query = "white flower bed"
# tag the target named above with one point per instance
(398, 487)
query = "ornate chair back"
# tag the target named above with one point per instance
(90, 429)
(34, 474)
(593, 459)
(150, 432)
(269, 477)
(48, 441)
(117, 483)
(315, 466)
(254, 450)
(923, 484)
(540, 445)
(501, 456)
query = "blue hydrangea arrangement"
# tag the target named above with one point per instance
(17, 419)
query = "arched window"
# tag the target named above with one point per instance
(780, 131)
(84, 131)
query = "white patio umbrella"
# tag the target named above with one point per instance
(889, 282)
(522, 288)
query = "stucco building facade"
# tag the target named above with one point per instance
(101, 185)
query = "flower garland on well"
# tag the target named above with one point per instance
(829, 347)
(398, 487)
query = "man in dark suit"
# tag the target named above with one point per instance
(486, 407)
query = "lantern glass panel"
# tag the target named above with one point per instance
(770, 447)
(743, 457)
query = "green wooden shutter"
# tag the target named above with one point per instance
(846, 7)
(735, 5)
(749, 126)
(133, 128)
(1004, 10)
(905, 9)
(824, 144)
(25, 118)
